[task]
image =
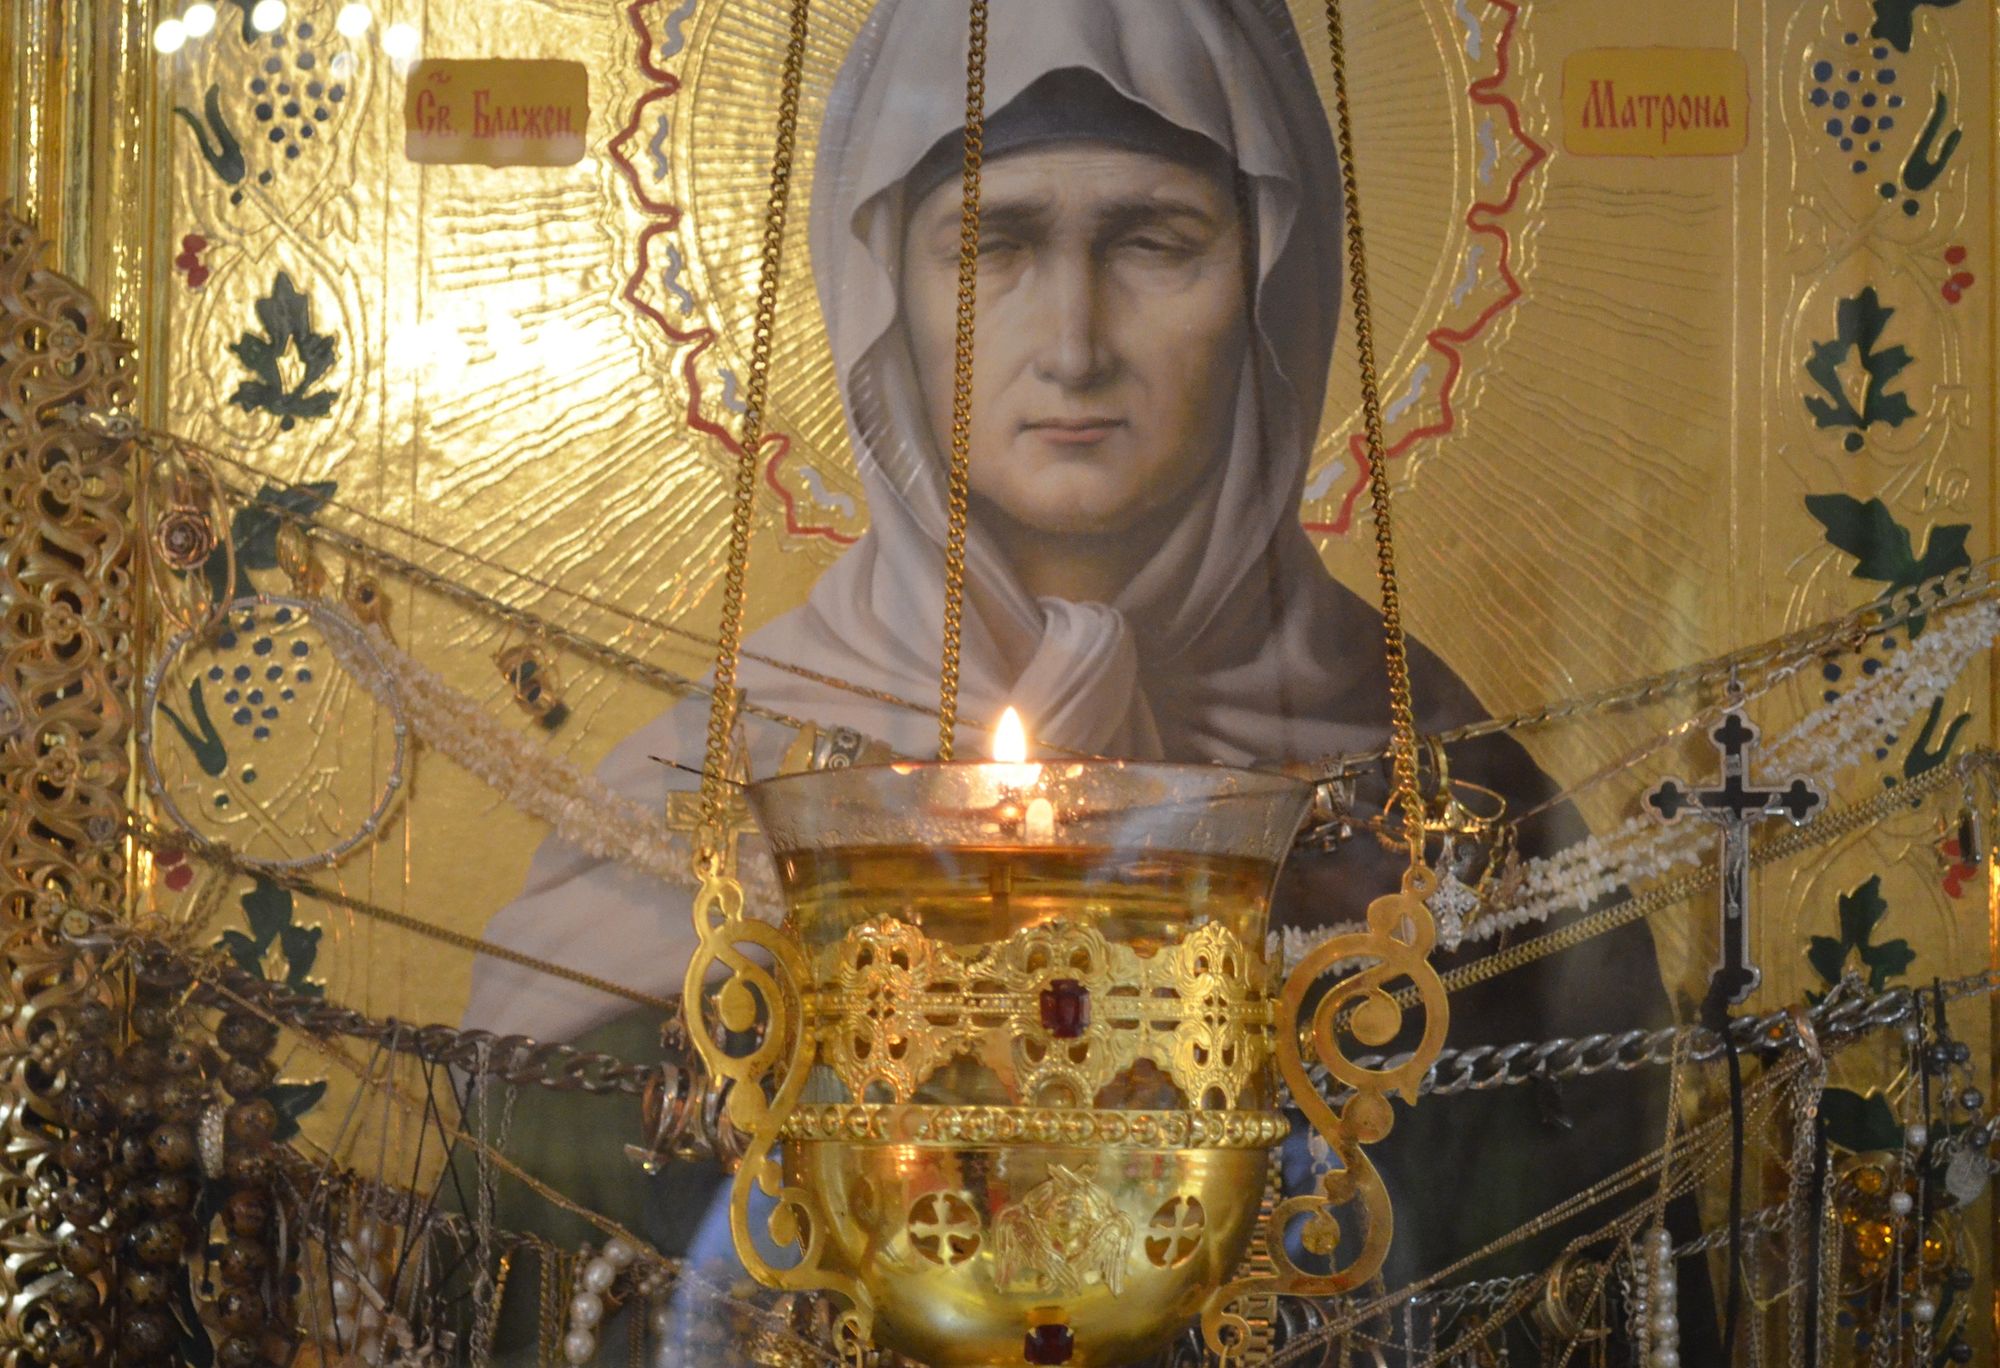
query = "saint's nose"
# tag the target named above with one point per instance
(1073, 346)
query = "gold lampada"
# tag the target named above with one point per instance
(1010, 1068)
(1039, 1029)
(1022, 1051)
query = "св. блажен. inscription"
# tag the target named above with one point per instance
(496, 112)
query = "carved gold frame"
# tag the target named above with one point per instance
(67, 634)
(84, 131)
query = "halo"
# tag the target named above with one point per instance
(1443, 161)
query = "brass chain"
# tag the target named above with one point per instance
(1402, 717)
(959, 491)
(709, 839)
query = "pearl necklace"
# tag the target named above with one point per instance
(591, 1301)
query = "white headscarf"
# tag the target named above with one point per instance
(1231, 644)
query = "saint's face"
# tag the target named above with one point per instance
(1111, 331)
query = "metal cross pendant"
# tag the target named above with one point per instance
(1734, 807)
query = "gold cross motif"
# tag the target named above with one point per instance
(944, 1227)
(1175, 1231)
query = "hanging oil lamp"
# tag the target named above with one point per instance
(1038, 1033)
(1009, 1071)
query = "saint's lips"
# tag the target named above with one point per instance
(1074, 431)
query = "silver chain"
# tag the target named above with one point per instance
(1844, 1014)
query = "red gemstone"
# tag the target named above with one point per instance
(1065, 1012)
(1048, 1344)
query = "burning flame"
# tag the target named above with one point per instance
(1011, 765)
(1010, 739)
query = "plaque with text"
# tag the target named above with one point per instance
(496, 112)
(1655, 102)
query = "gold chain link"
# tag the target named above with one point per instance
(961, 374)
(722, 706)
(1402, 718)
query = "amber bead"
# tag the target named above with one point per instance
(182, 1097)
(92, 1062)
(246, 1077)
(251, 1123)
(152, 1020)
(143, 1061)
(251, 1165)
(71, 1346)
(239, 1351)
(156, 1242)
(80, 1253)
(168, 1194)
(241, 1309)
(135, 1151)
(88, 1110)
(145, 1333)
(244, 1035)
(160, 971)
(92, 1020)
(128, 1202)
(80, 1205)
(84, 1156)
(241, 1262)
(248, 1212)
(173, 1146)
(132, 1101)
(142, 1286)
(73, 1296)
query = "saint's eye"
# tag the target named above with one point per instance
(1158, 246)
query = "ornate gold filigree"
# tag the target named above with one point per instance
(912, 1124)
(180, 518)
(1395, 947)
(66, 558)
(1064, 1235)
(766, 1081)
(893, 1006)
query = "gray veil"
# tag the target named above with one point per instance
(1231, 643)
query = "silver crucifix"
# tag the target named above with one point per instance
(1734, 807)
